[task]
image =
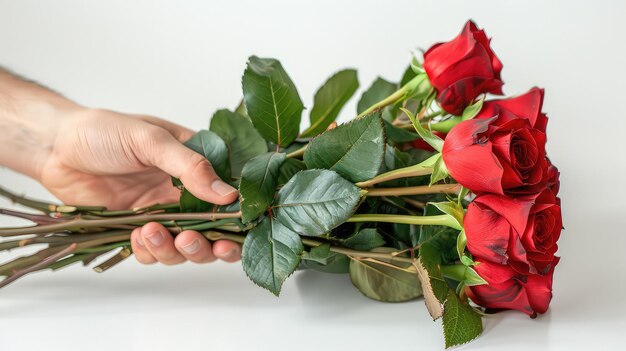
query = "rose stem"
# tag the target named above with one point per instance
(417, 204)
(42, 254)
(36, 218)
(297, 153)
(213, 236)
(411, 171)
(402, 219)
(119, 257)
(95, 223)
(34, 204)
(394, 97)
(415, 190)
(56, 240)
(43, 263)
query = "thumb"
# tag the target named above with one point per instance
(195, 172)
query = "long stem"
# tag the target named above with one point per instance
(35, 218)
(391, 99)
(104, 222)
(43, 263)
(403, 219)
(213, 236)
(297, 153)
(34, 204)
(119, 257)
(416, 190)
(420, 169)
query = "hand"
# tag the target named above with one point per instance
(101, 157)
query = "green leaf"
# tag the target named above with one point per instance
(364, 240)
(335, 263)
(290, 167)
(330, 99)
(472, 110)
(315, 201)
(271, 100)
(461, 323)
(241, 109)
(213, 148)
(355, 150)
(399, 135)
(428, 136)
(242, 140)
(271, 252)
(379, 90)
(190, 203)
(383, 283)
(258, 184)
(408, 74)
(318, 254)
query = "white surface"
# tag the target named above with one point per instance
(184, 62)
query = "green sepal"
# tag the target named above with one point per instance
(440, 171)
(428, 136)
(452, 209)
(472, 110)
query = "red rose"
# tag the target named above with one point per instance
(463, 68)
(502, 150)
(508, 289)
(521, 232)
(553, 178)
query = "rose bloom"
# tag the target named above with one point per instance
(521, 232)
(462, 69)
(508, 289)
(501, 150)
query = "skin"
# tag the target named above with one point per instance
(98, 157)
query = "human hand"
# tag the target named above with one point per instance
(100, 157)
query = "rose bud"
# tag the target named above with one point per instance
(521, 232)
(508, 289)
(501, 150)
(462, 69)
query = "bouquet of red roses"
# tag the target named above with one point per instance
(434, 189)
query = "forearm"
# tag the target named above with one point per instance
(30, 116)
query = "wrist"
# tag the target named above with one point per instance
(30, 118)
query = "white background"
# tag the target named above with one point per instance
(183, 60)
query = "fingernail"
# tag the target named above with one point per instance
(230, 254)
(192, 247)
(155, 238)
(222, 188)
(139, 241)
